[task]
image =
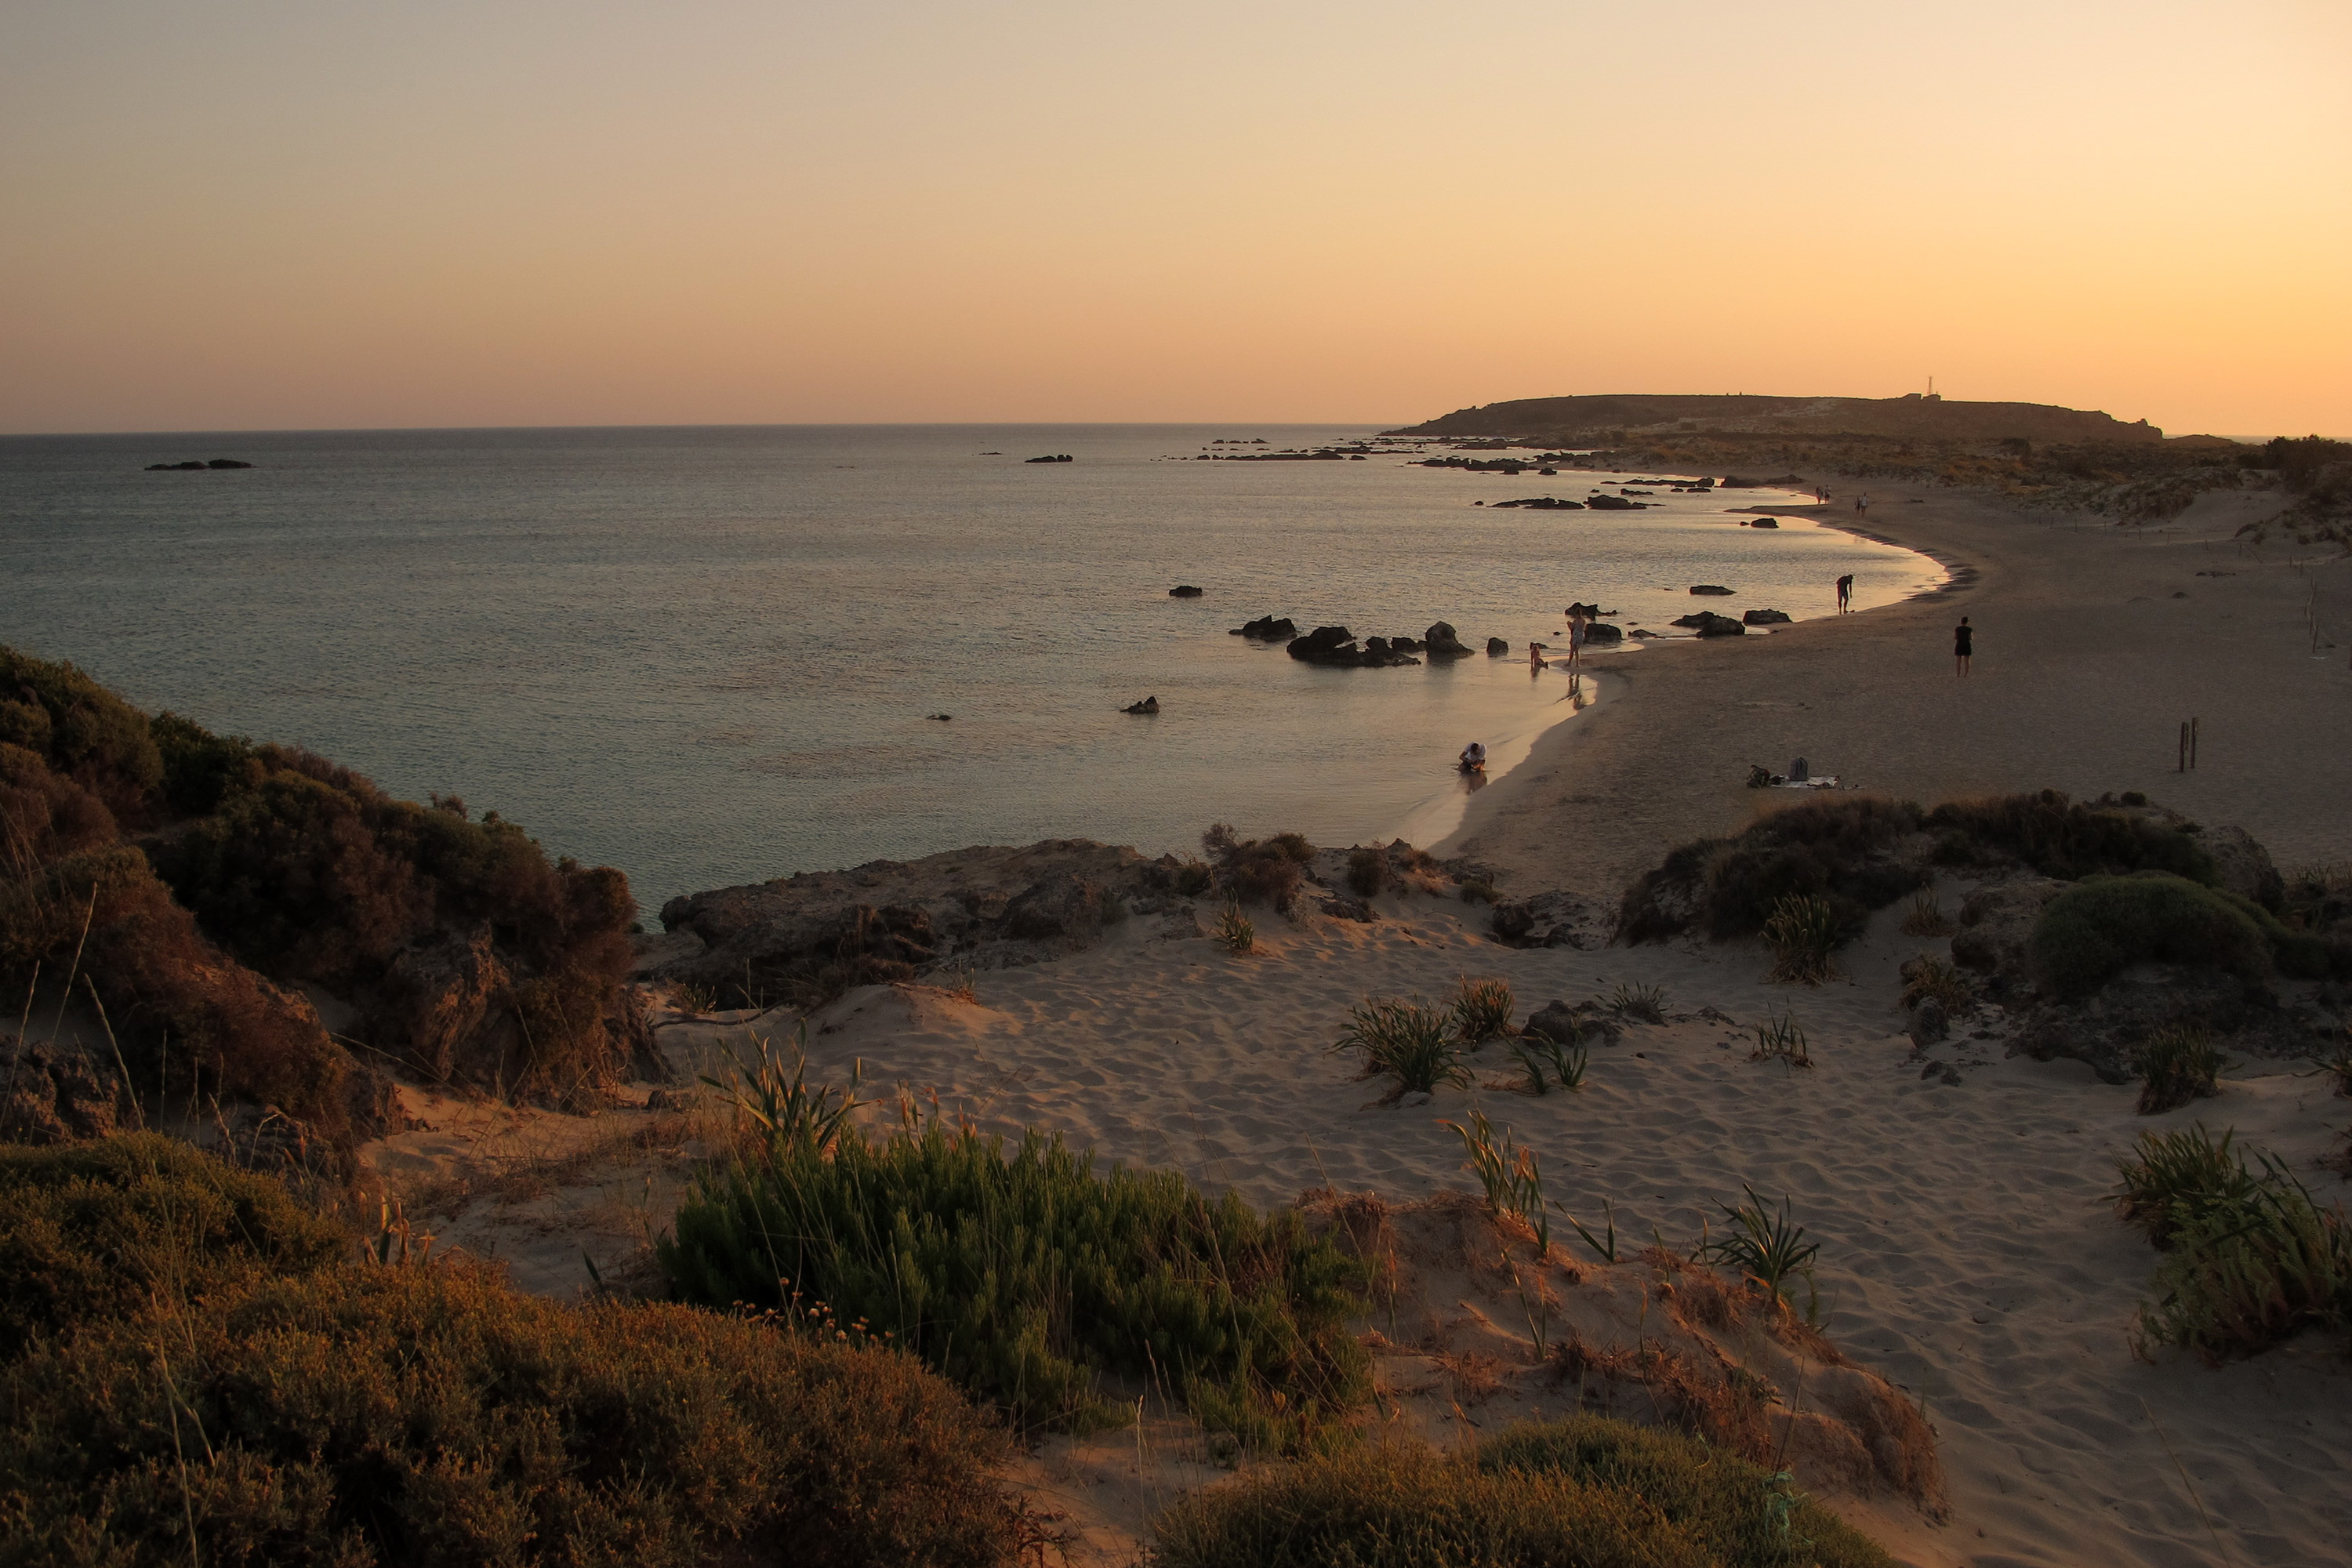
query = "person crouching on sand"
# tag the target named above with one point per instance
(1474, 757)
(1535, 656)
(1963, 645)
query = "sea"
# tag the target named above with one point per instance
(715, 655)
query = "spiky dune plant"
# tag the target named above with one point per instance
(1406, 1039)
(1803, 933)
(1482, 1010)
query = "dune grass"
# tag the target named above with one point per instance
(1803, 934)
(1406, 1040)
(1645, 1003)
(2251, 1257)
(1235, 931)
(1585, 1492)
(1546, 1062)
(1482, 1011)
(2177, 1065)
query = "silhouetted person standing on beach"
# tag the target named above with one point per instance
(1963, 645)
(1845, 593)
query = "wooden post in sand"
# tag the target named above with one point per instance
(2181, 766)
(2192, 745)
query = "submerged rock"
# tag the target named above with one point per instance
(1268, 628)
(1185, 591)
(1766, 618)
(1149, 705)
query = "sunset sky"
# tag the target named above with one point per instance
(260, 214)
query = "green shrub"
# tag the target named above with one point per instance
(1405, 1039)
(1368, 872)
(1586, 1492)
(1482, 1010)
(82, 730)
(1804, 932)
(1844, 851)
(2177, 1065)
(93, 1232)
(2063, 838)
(2092, 932)
(1026, 1276)
(184, 1349)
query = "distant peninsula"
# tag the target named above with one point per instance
(1615, 417)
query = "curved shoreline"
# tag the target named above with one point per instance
(1961, 573)
(2094, 642)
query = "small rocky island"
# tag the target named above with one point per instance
(196, 465)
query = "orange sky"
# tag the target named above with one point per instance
(249, 214)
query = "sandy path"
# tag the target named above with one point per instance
(2086, 663)
(1966, 1252)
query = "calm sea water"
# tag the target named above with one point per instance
(708, 656)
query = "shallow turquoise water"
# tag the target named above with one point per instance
(707, 656)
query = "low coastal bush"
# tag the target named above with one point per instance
(1844, 851)
(1026, 1275)
(1368, 872)
(1585, 1492)
(1269, 871)
(1482, 1010)
(2064, 838)
(1405, 1039)
(1804, 932)
(2176, 1065)
(2094, 930)
(210, 1383)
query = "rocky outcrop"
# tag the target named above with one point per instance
(1550, 920)
(1708, 624)
(1268, 628)
(1185, 591)
(1612, 503)
(1601, 633)
(1498, 648)
(440, 1008)
(1441, 642)
(801, 938)
(1336, 646)
(1766, 618)
(196, 465)
(1587, 1023)
(1996, 924)
(1149, 705)
(2244, 867)
(1544, 503)
(1715, 589)
(55, 1094)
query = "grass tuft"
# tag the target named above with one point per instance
(1764, 1246)
(1235, 931)
(1645, 1002)
(1482, 1010)
(1407, 1040)
(1781, 1040)
(1926, 917)
(1927, 976)
(2177, 1065)
(1803, 931)
(1541, 1056)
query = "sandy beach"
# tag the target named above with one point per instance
(1969, 1257)
(2093, 642)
